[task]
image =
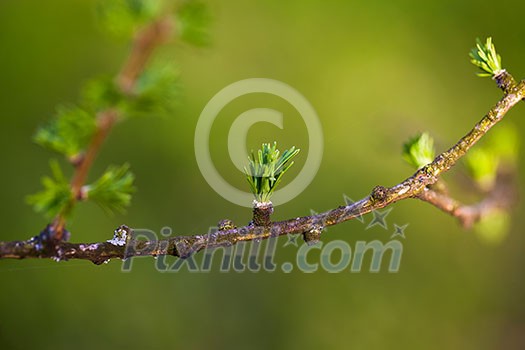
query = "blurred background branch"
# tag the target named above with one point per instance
(141, 87)
(144, 44)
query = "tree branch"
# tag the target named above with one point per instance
(144, 44)
(501, 197)
(418, 186)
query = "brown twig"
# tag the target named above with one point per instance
(143, 47)
(501, 197)
(144, 44)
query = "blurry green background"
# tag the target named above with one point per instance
(375, 71)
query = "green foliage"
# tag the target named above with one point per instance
(485, 57)
(68, 133)
(193, 23)
(112, 191)
(56, 193)
(156, 92)
(266, 169)
(123, 17)
(419, 151)
(499, 146)
(505, 142)
(482, 164)
(100, 94)
(494, 227)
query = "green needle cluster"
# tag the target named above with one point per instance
(485, 57)
(266, 169)
(419, 151)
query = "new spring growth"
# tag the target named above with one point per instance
(485, 57)
(498, 149)
(419, 151)
(266, 168)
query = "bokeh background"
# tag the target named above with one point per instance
(376, 72)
